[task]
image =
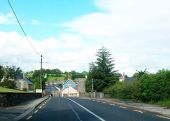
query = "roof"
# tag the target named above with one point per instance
(71, 83)
(21, 77)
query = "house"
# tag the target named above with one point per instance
(125, 78)
(70, 89)
(81, 85)
(23, 83)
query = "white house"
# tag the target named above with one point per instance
(70, 89)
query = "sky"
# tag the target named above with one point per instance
(68, 34)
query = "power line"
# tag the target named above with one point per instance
(23, 29)
(28, 41)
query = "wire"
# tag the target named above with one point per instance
(23, 29)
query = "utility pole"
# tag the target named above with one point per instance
(92, 85)
(41, 74)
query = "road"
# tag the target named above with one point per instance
(75, 109)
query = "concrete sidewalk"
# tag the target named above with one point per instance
(17, 112)
(141, 106)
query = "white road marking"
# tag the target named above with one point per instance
(112, 104)
(40, 107)
(36, 111)
(103, 102)
(138, 111)
(122, 107)
(93, 100)
(28, 117)
(163, 117)
(101, 119)
(75, 112)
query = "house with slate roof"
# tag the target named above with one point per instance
(23, 83)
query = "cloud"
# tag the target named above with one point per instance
(136, 32)
(35, 22)
(57, 52)
(7, 18)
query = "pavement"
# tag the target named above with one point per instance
(141, 106)
(17, 112)
(77, 109)
(83, 109)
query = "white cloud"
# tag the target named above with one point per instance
(58, 53)
(35, 22)
(136, 32)
(7, 18)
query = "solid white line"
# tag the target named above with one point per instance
(163, 117)
(36, 111)
(29, 117)
(138, 111)
(101, 119)
(122, 107)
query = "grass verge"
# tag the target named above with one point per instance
(165, 103)
(2, 89)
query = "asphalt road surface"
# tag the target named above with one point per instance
(75, 109)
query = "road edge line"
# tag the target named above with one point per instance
(28, 111)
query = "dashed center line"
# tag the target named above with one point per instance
(36, 111)
(163, 117)
(29, 117)
(138, 111)
(112, 104)
(122, 107)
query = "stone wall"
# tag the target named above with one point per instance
(94, 95)
(12, 99)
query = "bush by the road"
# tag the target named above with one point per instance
(146, 88)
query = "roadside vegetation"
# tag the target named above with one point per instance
(8, 75)
(2, 89)
(53, 74)
(145, 87)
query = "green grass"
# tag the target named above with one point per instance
(2, 89)
(55, 78)
(165, 103)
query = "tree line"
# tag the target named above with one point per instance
(35, 75)
(144, 86)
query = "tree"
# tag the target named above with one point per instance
(102, 71)
(36, 79)
(9, 75)
(1, 72)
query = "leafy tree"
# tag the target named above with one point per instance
(1, 72)
(102, 71)
(9, 75)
